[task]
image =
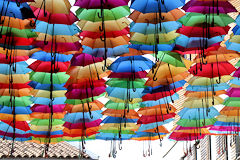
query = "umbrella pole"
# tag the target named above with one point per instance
(170, 150)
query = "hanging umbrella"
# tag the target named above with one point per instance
(62, 6)
(97, 4)
(152, 6)
(109, 14)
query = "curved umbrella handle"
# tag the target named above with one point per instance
(18, 3)
(218, 80)
(32, 23)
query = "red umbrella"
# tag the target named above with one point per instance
(83, 59)
(212, 70)
(113, 34)
(158, 118)
(86, 84)
(42, 66)
(55, 18)
(198, 31)
(141, 74)
(159, 95)
(22, 125)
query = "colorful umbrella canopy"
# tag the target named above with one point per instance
(16, 41)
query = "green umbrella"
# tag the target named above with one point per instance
(172, 58)
(44, 78)
(126, 83)
(45, 122)
(24, 33)
(232, 102)
(194, 19)
(237, 64)
(94, 15)
(196, 123)
(18, 101)
(81, 101)
(120, 106)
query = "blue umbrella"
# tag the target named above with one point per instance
(131, 64)
(236, 30)
(198, 113)
(37, 85)
(111, 52)
(9, 129)
(216, 87)
(152, 6)
(148, 126)
(110, 119)
(17, 68)
(160, 47)
(47, 101)
(220, 123)
(235, 81)
(163, 88)
(146, 28)
(123, 93)
(113, 136)
(79, 118)
(164, 100)
(59, 29)
(46, 132)
(11, 9)
(44, 56)
(233, 46)
(18, 110)
(193, 42)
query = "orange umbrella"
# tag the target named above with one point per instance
(157, 110)
(16, 23)
(15, 92)
(139, 17)
(47, 115)
(167, 79)
(120, 113)
(110, 42)
(203, 93)
(95, 105)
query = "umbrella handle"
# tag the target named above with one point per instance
(32, 24)
(155, 78)
(219, 80)
(101, 28)
(18, 3)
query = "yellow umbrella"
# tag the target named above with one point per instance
(92, 70)
(204, 81)
(150, 39)
(53, 6)
(110, 42)
(16, 78)
(46, 94)
(116, 126)
(200, 103)
(164, 70)
(225, 118)
(57, 38)
(117, 100)
(46, 128)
